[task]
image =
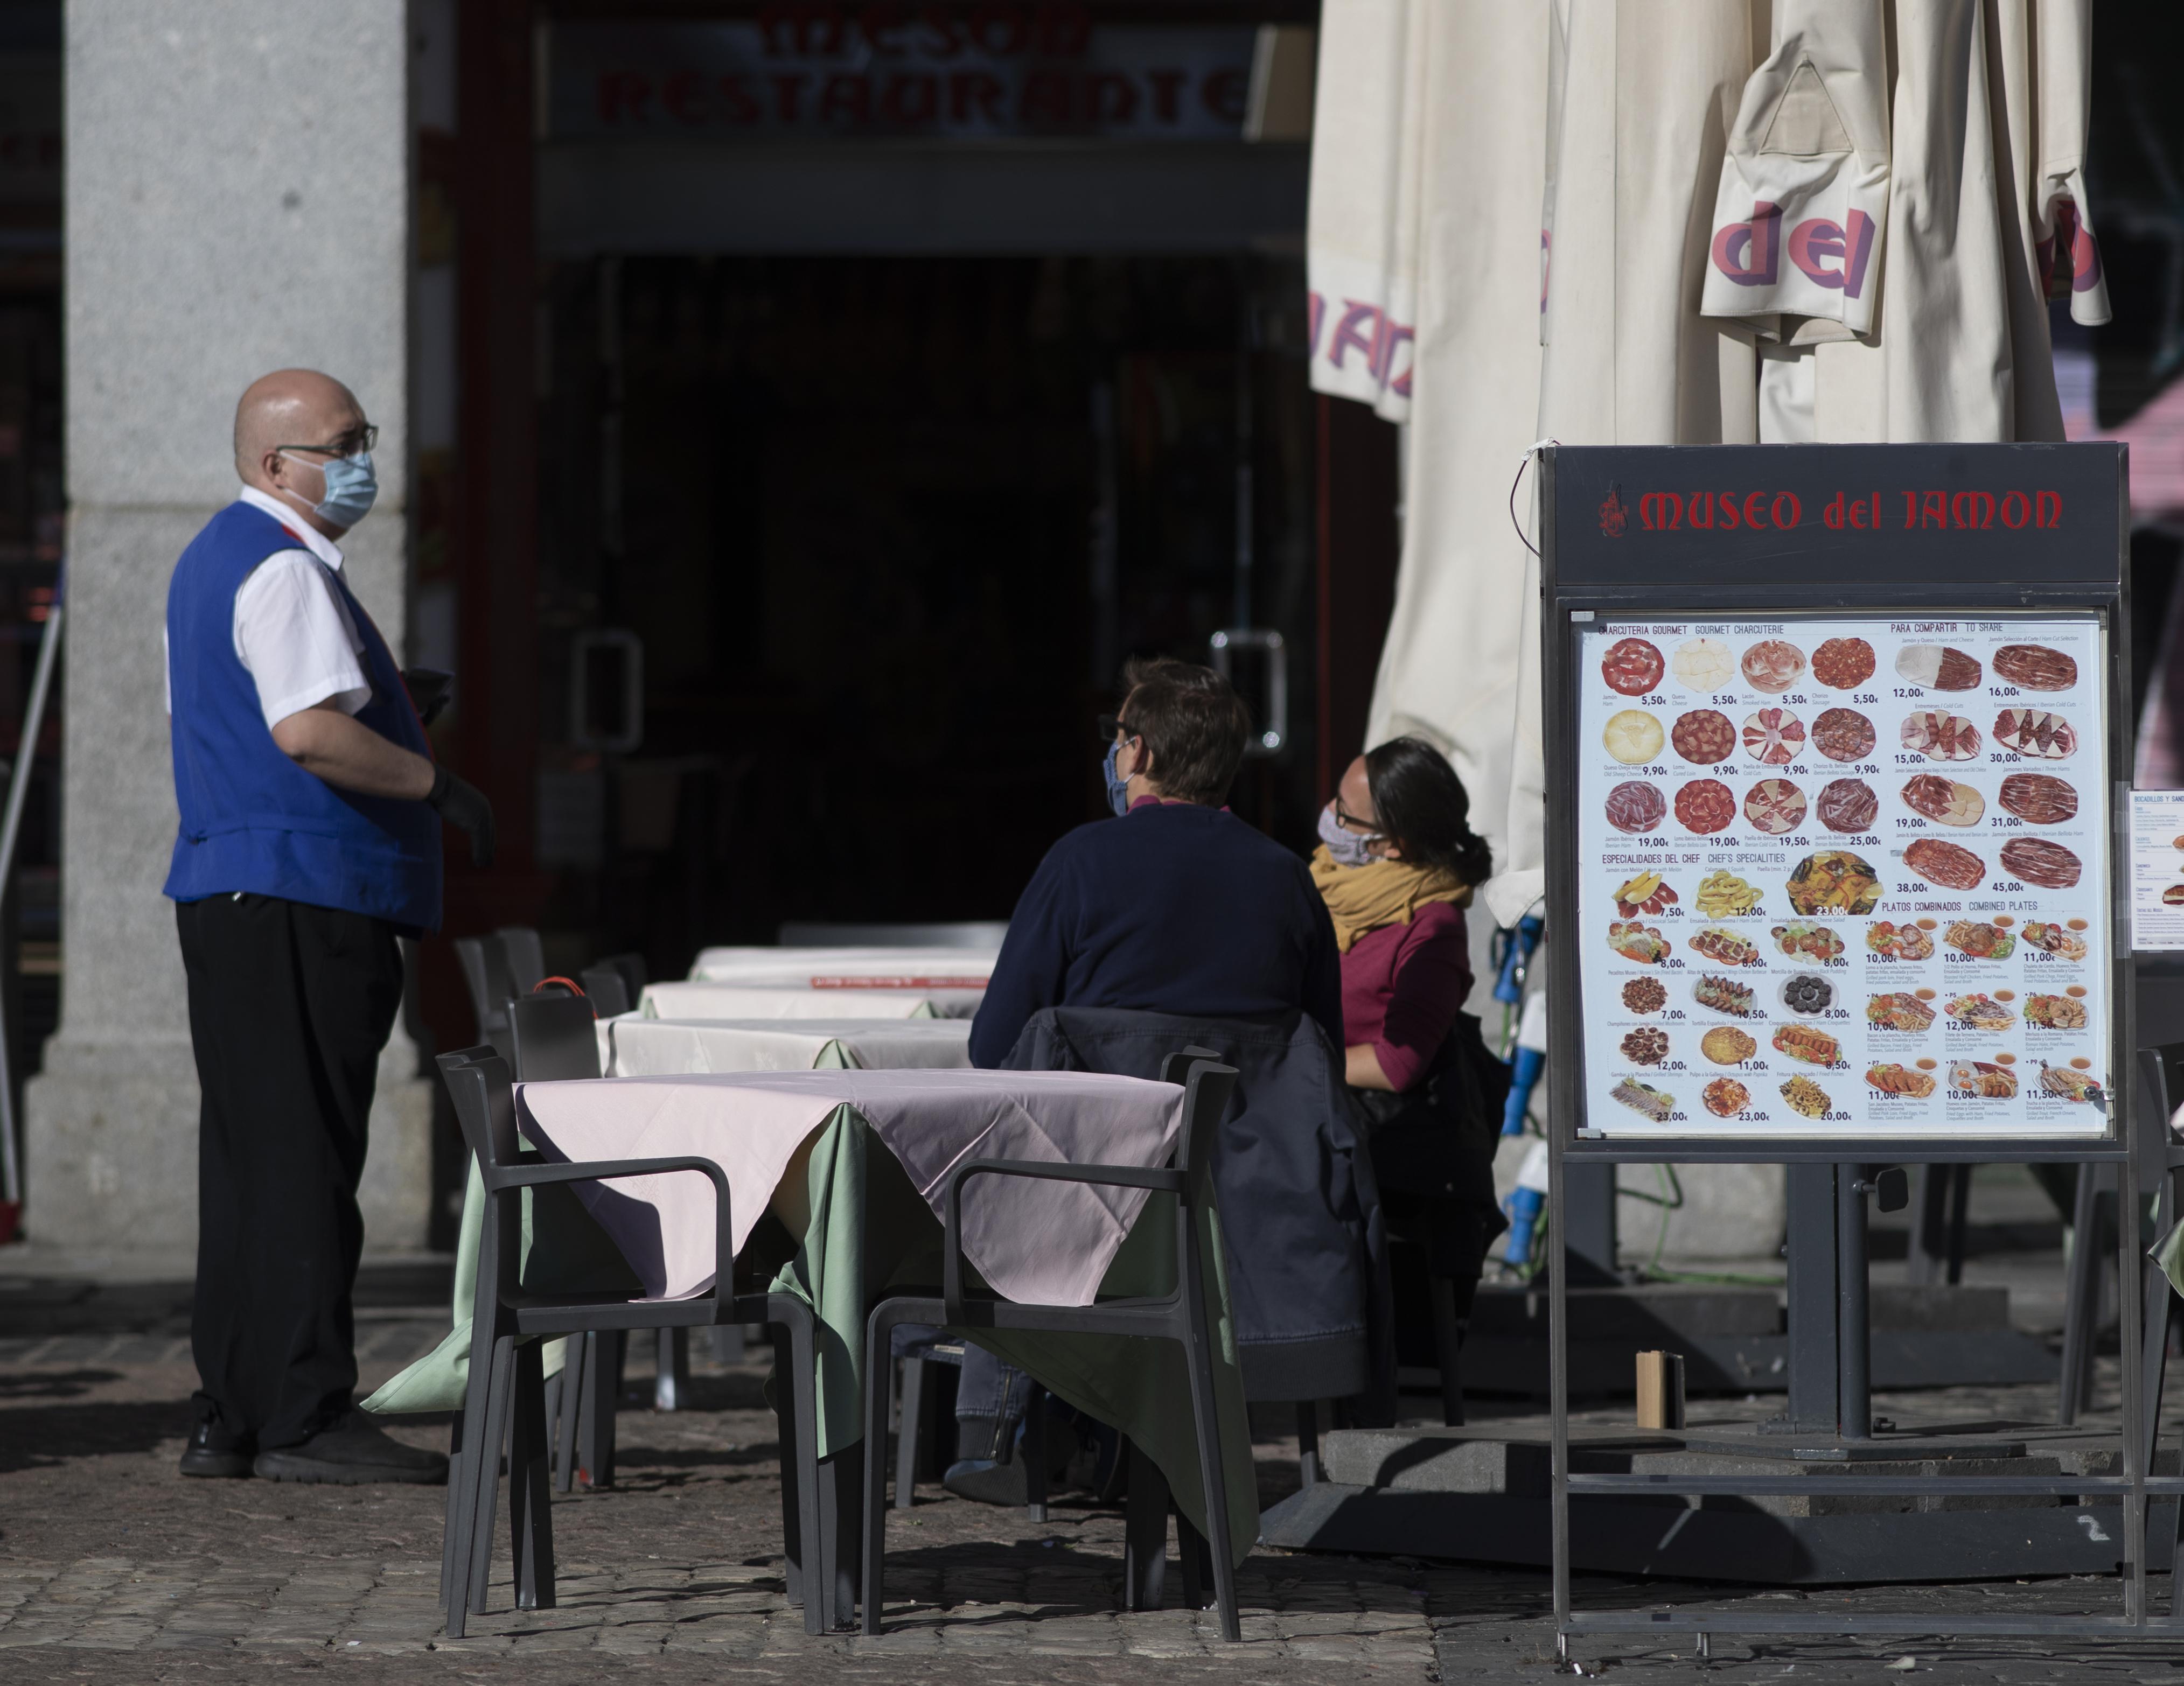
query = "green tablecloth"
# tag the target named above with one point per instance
(870, 1231)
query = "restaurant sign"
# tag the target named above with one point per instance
(1000, 69)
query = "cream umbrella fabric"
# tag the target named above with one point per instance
(1361, 245)
(1640, 101)
(1643, 136)
(1803, 199)
(1986, 215)
(1478, 151)
(1642, 98)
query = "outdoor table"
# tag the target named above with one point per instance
(796, 998)
(690, 1000)
(656, 1048)
(956, 968)
(436, 1380)
(853, 1163)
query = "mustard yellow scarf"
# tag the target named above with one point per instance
(1362, 899)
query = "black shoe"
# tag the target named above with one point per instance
(349, 1451)
(213, 1451)
(985, 1482)
(1003, 1481)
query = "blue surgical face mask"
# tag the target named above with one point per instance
(1118, 787)
(1348, 848)
(351, 486)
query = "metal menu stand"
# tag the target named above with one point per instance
(1841, 739)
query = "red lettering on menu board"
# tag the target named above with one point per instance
(1847, 511)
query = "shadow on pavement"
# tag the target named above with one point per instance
(52, 1384)
(34, 1435)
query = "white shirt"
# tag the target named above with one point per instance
(292, 632)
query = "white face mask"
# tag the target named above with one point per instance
(1346, 846)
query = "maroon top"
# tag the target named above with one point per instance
(1402, 986)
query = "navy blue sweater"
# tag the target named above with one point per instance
(1171, 909)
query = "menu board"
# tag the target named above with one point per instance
(1843, 876)
(2157, 870)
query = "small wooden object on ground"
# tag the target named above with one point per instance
(1660, 1390)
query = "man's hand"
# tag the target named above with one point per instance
(350, 755)
(463, 805)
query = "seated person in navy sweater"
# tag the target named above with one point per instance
(1174, 906)
(1180, 908)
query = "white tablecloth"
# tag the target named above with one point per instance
(659, 1048)
(822, 968)
(1050, 1242)
(682, 1000)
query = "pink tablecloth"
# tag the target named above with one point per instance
(1048, 1241)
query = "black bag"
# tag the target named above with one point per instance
(1432, 1150)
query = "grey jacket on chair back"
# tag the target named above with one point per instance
(1307, 1261)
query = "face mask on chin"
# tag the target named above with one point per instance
(1345, 845)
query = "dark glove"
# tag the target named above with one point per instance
(464, 805)
(428, 692)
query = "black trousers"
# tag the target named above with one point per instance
(290, 1006)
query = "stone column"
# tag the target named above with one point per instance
(238, 200)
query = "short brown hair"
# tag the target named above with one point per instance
(1194, 725)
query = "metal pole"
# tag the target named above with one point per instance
(1930, 1195)
(1814, 1402)
(1854, 1399)
(1559, 1168)
(1588, 1224)
(2081, 1295)
(2129, 1264)
(11, 827)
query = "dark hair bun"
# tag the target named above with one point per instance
(1425, 809)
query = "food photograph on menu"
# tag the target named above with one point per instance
(1843, 876)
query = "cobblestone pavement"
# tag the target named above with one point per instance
(115, 1568)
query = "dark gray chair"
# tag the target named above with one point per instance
(1178, 1315)
(1308, 1276)
(554, 1039)
(551, 1040)
(504, 1405)
(632, 970)
(526, 956)
(608, 989)
(492, 985)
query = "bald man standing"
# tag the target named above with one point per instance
(309, 841)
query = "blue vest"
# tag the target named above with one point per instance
(252, 819)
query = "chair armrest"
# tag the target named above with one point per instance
(1159, 1180)
(511, 1178)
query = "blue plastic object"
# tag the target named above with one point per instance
(1516, 947)
(1524, 1074)
(1525, 1208)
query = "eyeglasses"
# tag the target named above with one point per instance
(1370, 829)
(1111, 727)
(356, 439)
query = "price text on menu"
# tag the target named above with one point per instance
(1843, 878)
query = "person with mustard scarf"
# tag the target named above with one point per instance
(1396, 866)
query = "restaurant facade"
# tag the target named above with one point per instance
(795, 416)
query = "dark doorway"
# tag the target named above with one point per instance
(885, 529)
